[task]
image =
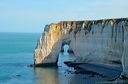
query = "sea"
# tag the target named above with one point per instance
(17, 52)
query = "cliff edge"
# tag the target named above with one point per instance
(97, 41)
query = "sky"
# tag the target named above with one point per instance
(33, 15)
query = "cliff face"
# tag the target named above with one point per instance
(99, 41)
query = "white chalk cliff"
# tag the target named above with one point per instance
(97, 41)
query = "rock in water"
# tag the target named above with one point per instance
(97, 41)
(109, 72)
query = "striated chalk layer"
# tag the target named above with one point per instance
(97, 41)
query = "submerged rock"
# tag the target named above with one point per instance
(97, 41)
(18, 75)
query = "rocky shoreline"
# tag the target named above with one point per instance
(110, 72)
(98, 73)
(90, 73)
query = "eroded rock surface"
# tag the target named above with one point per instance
(97, 41)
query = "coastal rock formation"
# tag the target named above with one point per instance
(97, 41)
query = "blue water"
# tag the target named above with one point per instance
(16, 52)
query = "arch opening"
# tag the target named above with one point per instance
(66, 48)
(64, 45)
(64, 55)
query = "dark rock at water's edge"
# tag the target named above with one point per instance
(43, 65)
(109, 72)
(72, 64)
(123, 77)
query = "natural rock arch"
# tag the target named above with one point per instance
(99, 41)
